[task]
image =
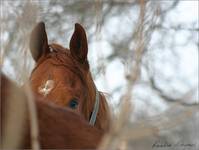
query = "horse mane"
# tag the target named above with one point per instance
(103, 116)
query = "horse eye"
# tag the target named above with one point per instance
(73, 103)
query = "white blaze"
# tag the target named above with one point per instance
(46, 88)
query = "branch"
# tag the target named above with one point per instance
(170, 99)
(174, 5)
(176, 28)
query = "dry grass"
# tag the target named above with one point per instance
(123, 130)
(24, 24)
(116, 138)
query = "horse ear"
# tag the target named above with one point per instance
(39, 41)
(78, 44)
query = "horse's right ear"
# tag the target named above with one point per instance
(78, 44)
(39, 41)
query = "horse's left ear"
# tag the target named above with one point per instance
(39, 41)
(78, 44)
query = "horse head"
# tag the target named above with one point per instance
(63, 76)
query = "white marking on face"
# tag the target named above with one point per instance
(46, 88)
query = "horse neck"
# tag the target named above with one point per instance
(103, 116)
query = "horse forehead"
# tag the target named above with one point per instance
(60, 64)
(60, 71)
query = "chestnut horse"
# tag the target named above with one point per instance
(62, 135)
(63, 77)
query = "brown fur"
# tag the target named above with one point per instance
(59, 127)
(69, 69)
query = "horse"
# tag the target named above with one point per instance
(61, 135)
(62, 76)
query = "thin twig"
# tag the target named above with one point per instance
(111, 141)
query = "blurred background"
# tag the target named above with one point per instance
(155, 41)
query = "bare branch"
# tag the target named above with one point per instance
(182, 100)
(176, 28)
